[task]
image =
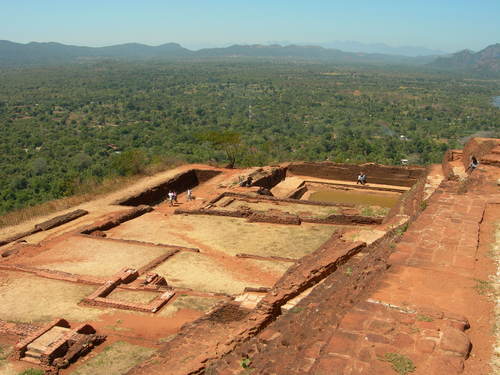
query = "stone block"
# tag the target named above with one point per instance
(456, 342)
(403, 318)
(425, 346)
(354, 321)
(380, 326)
(269, 335)
(446, 365)
(374, 338)
(402, 340)
(342, 343)
(331, 366)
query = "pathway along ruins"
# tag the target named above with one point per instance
(259, 279)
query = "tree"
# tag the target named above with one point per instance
(228, 141)
(129, 163)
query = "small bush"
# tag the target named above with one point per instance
(423, 205)
(424, 318)
(245, 362)
(403, 228)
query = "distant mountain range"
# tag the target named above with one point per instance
(486, 60)
(56, 53)
(16, 54)
(411, 51)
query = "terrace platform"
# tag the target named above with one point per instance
(188, 284)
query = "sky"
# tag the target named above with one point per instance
(448, 25)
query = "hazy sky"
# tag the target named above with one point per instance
(449, 25)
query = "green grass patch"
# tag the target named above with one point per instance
(3, 354)
(374, 211)
(400, 230)
(116, 359)
(484, 287)
(32, 371)
(400, 363)
(348, 271)
(423, 205)
(245, 362)
(295, 310)
(424, 318)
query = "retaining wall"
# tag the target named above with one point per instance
(179, 183)
(376, 173)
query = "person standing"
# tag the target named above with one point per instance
(189, 195)
(473, 164)
(361, 178)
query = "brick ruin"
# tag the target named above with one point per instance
(364, 300)
(127, 275)
(56, 345)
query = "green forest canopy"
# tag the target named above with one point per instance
(62, 125)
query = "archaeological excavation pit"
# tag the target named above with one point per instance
(159, 193)
(220, 255)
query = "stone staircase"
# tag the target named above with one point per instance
(38, 347)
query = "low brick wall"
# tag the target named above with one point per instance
(344, 220)
(117, 220)
(274, 218)
(126, 275)
(264, 198)
(18, 236)
(151, 307)
(52, 274)
(61, 219)
(284, 218)
(272, 257)
(46, 225)
(156, 262)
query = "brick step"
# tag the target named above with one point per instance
(491, 159)
(32, 356)
(495, 150)
(36, 349)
